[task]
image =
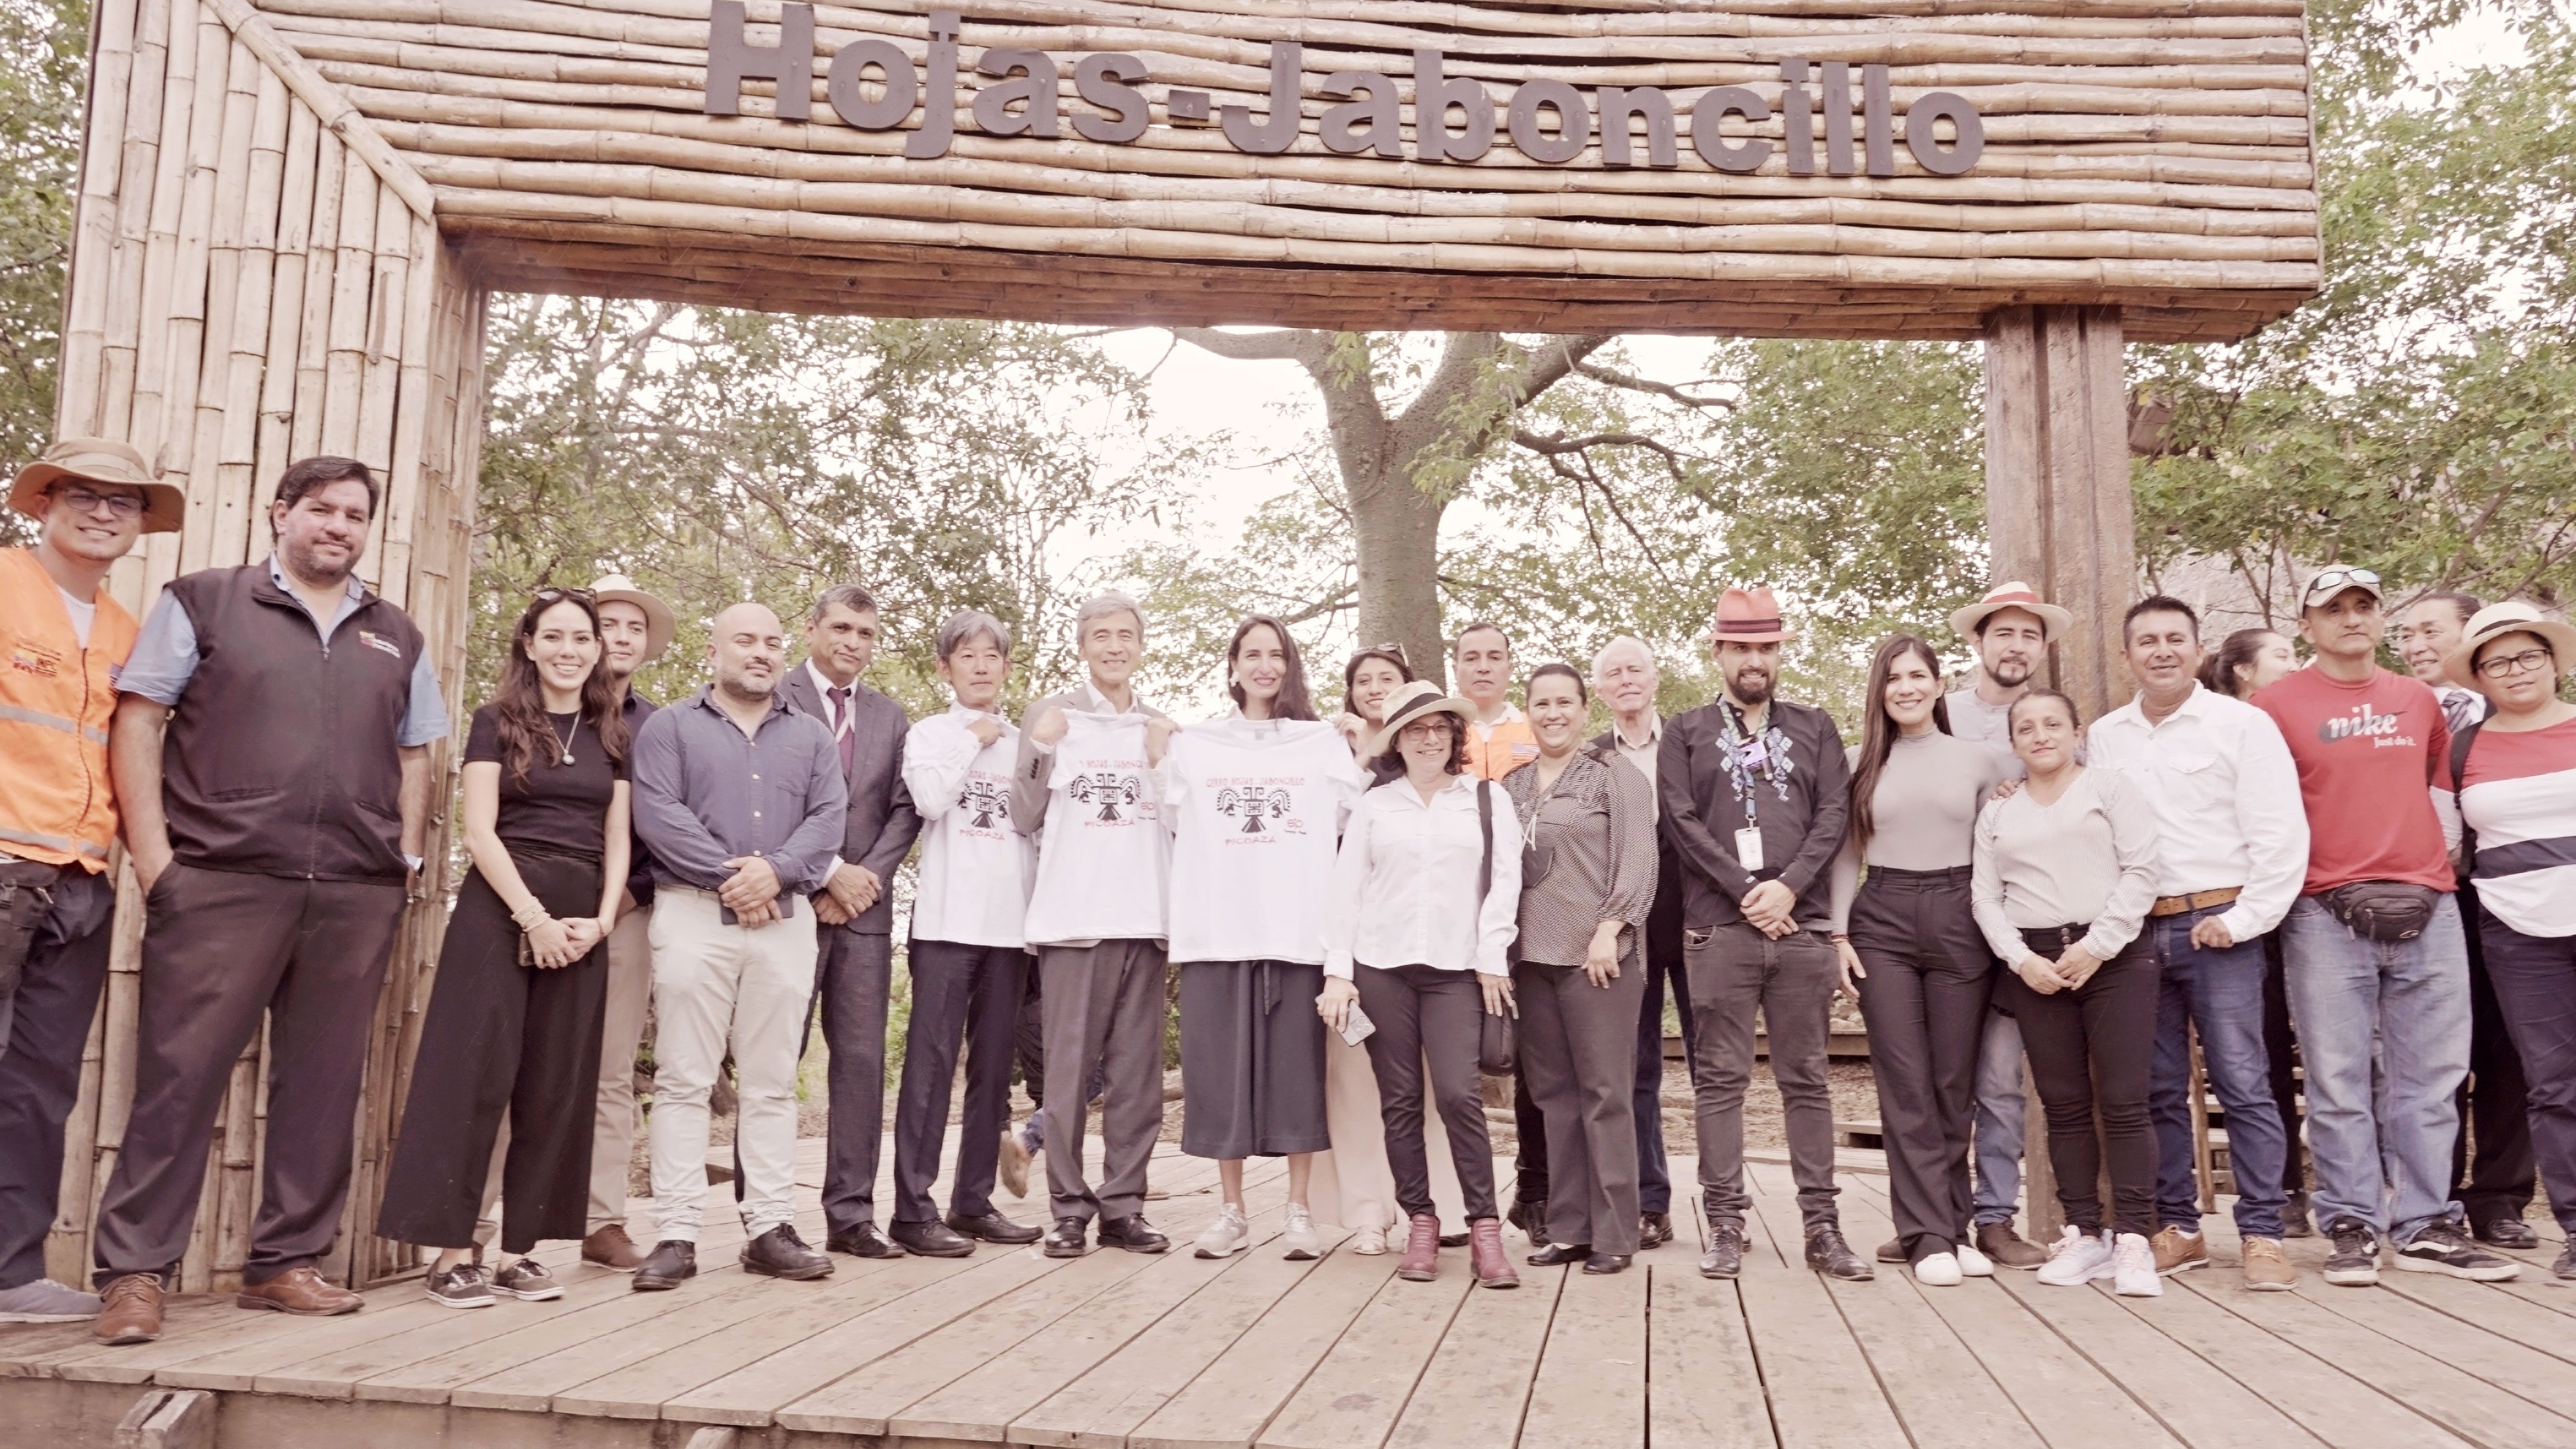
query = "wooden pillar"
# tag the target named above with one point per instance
(2059, 514)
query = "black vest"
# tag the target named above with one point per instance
(280, 757)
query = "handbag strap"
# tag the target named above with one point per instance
(2460, 746)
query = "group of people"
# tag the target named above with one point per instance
(1364, 906)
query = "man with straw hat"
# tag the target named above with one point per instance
(64, 642)
(1755, 794)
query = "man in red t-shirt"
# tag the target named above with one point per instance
(2373, 753)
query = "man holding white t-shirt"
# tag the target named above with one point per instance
(1096, 920)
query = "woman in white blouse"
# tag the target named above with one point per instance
(2064, 871)
(1425, 894)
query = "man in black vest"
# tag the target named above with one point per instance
(271, 754)
(856, 907)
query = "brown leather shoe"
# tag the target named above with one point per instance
(610, 1248)
(129, 1309)
(1421, 1260)
(303, 1292)
(2008, 1248)
(1485, 1251)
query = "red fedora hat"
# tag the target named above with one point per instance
(1748, 616)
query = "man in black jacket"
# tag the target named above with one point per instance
(856, 906)
(1755, 795)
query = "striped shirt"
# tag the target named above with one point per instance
(2518, 793)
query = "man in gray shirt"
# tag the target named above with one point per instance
(741, 798)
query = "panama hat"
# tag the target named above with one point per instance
(659, 623)
(99, 460)
(2494, 622)
(1748, 616)
(1412, 700)
(2013, 594)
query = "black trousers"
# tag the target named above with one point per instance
(2281, 1044)
(502, 1038)
(853, 977)
(1663, 964)
(963, 997)
(1924, 998)
(40, 1063)
(2092, 1051)
(220, 950)
(1425, 1014)
(2492, 1161)
(2535, 980)
(1578, 1053)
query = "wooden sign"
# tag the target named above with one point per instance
(1801, 167)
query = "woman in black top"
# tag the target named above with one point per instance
(514, 1016)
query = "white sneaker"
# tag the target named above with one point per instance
(2133, 1268)
(1297, 1239)
(1973, 1264)
(2075, 1259)
(1941, 1270)
(1226, 1236)
(1368, 1242)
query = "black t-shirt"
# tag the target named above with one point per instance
(561, 809)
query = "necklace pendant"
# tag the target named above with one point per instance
(567, 757)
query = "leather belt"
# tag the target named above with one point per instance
(2196, 901)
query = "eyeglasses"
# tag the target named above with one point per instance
(1428, 726)
(120, 505)
(2498, 666)
(2338, 578)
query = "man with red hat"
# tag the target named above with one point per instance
(63, 644)
(1755, 793)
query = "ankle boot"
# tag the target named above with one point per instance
(1485, 1250)
(1421, 1261)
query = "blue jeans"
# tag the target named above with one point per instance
(2001, 1107)
(2385, 1163)
(2221, 993)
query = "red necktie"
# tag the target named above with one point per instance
(842, 734)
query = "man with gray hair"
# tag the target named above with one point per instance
(1097, 921)
(1625, 676)
(854, 907)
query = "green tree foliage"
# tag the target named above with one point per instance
(47, 45)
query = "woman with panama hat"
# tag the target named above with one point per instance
(1422, 910)
(2516, 774)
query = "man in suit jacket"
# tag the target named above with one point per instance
(856, 907)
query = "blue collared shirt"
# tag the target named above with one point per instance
(706, 793)
(165, 659)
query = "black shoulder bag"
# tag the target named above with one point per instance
(1497, 1043)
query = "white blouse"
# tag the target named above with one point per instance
(1404, 884)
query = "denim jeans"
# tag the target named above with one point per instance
(2221, 993)
(2001, 1110)
(2385, 1163)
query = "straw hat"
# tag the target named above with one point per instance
(1414, 699)
(2013, 594)
(1748, 616)
(2494, 622)
(659, 623)
(99, 460)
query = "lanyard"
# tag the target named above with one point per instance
(1750, 750)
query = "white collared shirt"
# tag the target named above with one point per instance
(1404, 884)
(1485, 728)
(823, 687)
(2226, 796)
(1644, 757)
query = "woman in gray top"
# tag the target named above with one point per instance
(1907, 938)
(1587, 881)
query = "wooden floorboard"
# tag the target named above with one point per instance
(1590, 1390)
(1476, 1386)
(1823, 1391)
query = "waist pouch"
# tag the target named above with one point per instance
(2382, 910)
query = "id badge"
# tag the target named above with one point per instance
(1748, 847)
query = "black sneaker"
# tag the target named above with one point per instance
(1828, 1254)
(528, 1280)
(2352, 1257)
(460, 1287)
(671, 1263)
(2444, 1248)
(779, 1253)
(1725, 1255)
(2509, 1233)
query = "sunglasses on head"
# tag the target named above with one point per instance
(550, 596)
(2339, 578)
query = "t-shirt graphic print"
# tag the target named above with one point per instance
(1104, 859)
(973, 884)
(1255, 807)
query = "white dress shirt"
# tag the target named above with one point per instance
(1404, 884)
(2226, 796)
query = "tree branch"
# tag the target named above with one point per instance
(1613, 378)
(1290, 344)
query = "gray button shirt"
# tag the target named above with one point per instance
(705, 793)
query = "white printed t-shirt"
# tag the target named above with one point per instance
(1104, 864)
(973, 887)
(1256, 809)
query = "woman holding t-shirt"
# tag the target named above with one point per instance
(1255, 802)
(2518, 802)
(2064, 872)
(1910, 950)
(514, 1018)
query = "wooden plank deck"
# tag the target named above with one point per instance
(1117, 1351)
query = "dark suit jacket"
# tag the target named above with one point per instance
(882, 822)
(1029, 792)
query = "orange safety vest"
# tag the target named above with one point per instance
(1509, 747)
(56, 699)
